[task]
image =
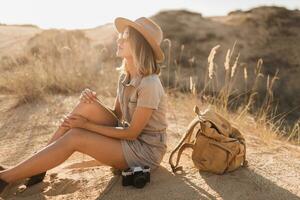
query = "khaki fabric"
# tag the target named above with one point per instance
(146, 92)
(217, 146)
(150, 146)
(148, 149)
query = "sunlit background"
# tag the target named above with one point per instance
(88, 14)
(237, 57)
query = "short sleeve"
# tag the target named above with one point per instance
(149, 94)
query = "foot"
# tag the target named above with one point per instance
(116, 171)
(35, 179)
(2, 168)
(3, 185)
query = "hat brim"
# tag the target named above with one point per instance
(120, 24)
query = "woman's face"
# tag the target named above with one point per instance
(123, 50)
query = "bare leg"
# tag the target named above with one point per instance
(59, 132)
(37, 178)
(92, 111)
(104, 149)
(95, 112)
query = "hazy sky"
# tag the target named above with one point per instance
(91, 13)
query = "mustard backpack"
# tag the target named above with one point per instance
(217, 146)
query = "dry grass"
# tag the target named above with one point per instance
(238, 107)
(53, 62)
(64, 62)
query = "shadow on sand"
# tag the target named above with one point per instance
(240, 184)
(246, 184)
(163, 185)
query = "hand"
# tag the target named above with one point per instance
(75, 121)
(88, 96)
(62, 122)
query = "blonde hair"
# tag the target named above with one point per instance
(143, 55)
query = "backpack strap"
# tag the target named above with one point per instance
(237, 134)
(183, 144)
(226, 149)
(183, 147)
(245, 162)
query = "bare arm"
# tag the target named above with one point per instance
(139, 120)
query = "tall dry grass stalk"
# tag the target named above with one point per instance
(178, 68)
(210, 70)
(227, 60)
(234, 66)
(169, 43)
(250, 99)
(210, 61)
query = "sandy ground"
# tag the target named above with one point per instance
(273, 172)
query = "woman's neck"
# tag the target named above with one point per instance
(132, 69)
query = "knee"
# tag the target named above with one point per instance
(85, 108)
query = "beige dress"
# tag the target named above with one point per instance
(150, 146)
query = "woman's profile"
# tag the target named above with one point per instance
(133, 133)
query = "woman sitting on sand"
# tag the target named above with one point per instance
(131, 134)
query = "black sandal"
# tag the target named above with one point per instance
(35, 179)
(3, 185)
(2, 168)
(30, 182)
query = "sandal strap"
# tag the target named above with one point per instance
(2, 167)
(35, 179)
(3, 185)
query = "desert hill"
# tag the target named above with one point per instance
(270, 33)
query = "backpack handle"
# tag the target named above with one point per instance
(182, 146)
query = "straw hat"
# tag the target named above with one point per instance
(148, 28)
